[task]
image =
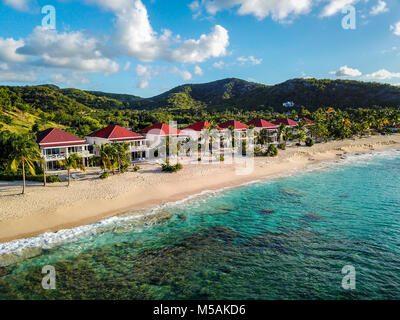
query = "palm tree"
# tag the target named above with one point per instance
(107, 156)
(281, 128)
(43, 163)
(73, 162)
(264, 137)
(120, 152)
(24, 152)
(301, 135)
(287, 134)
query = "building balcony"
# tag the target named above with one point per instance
(138, 148)
(63, 156)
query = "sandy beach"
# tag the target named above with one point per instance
(90, 199)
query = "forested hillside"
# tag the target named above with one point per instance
(31, 108)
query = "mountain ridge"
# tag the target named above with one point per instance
(233, 92)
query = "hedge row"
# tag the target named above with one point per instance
(18, 177)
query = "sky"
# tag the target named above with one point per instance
(146, 47)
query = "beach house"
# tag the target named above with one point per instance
(260, 124)
(57, 145)
(138, 148)
(286, 121)
(236, 125)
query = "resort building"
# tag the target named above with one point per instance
(236, 125)
(195, 129)
(286, 121)
(138, 148)
(161, 130)
(57, 145)
(260, 124)
(307, 121)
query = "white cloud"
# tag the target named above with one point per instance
(336, 6)
(8, 48)
(219, 65)
(251, 60)
(135, 36)
(383, 74)
(211, 45)
(21, 5)
(145, 74)
(198, 71)
(380, 7)
(67, 50)
(345, 71)
(15, 73)
(70, 79)
(184, 74)
(279, 10)
(395, 28)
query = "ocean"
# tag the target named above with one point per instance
(286, 238)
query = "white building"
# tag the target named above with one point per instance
(57, 145)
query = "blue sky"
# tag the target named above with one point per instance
(145, 47)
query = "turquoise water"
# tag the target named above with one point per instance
(283, 239)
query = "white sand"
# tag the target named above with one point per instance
(91, 199)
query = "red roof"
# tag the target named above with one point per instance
(288, 122)
(116, 133)
(260, 123)
(161, 129)
(57, 138)
(306, 120)
(233, 123)
(200, 126)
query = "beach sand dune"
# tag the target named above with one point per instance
(90, 199)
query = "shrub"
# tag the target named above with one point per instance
(221, 158)
(105, 175)
(8, 176)
(282, 146)
(298, 144)
(309, 142)
(136, 168)
(258, 152)
(167, 167)
(272, 151)
(52, 179)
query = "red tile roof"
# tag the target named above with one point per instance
(116, 133)
(233, 123)
(57, 138)
(200, 126)
(288, 122)
(161, 129)
(260, 123)
(306, 120)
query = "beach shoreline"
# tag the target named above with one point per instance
(91, 200)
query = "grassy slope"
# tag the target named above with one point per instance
(22, 122)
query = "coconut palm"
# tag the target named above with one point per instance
(43, 163)
(73, 162)
(281, 128)
(107, 157)
(264, 137)
(24, 152)
(287, 134)
(120, 153)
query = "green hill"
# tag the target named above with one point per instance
(82, 112)
(310, 93)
